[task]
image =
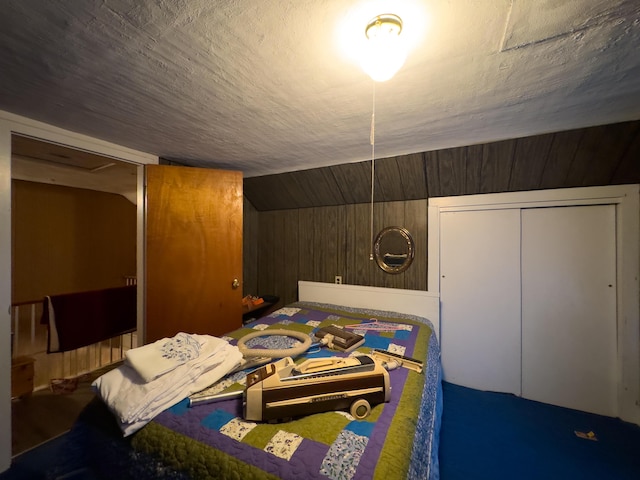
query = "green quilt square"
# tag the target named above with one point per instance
(322, 427)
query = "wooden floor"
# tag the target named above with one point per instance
(44, 415)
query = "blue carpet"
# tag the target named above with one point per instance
(55, 459)
(487, 435)
(92, 450)
(484, 435)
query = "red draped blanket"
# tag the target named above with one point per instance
(79, 319)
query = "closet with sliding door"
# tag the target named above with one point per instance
(534, 294)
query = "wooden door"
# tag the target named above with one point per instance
(569, 307)
(193, 251)
(480, 299)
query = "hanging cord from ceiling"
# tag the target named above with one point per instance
(372, 140)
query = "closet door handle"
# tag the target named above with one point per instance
(235, 284)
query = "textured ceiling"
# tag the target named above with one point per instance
(263, 86)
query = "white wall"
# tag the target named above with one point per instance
(9, 124)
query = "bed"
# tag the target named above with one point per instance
(398, 439)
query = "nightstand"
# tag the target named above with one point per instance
(251, 312)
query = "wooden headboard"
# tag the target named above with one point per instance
(412, 302)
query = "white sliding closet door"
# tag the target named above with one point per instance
(569, 307)
(480, 298)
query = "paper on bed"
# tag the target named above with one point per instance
(135, 402)
(162, 356)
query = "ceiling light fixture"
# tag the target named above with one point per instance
(384, 54)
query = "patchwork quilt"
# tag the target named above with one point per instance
(397, 440)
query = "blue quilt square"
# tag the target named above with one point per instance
(402, 335)
(180, 408)
(217, 419)
(376, 341)
(361, 428)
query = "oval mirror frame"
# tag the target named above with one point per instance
(398, 239)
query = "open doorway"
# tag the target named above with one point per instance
(74, 222)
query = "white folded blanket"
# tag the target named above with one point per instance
(162, 356)
(136, 402)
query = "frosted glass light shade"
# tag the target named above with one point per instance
(383, 62)
(384, 54)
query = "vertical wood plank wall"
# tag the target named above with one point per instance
(314, 224)
(318, 243)
(249, 248)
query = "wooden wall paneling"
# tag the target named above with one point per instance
(341, 240)
(628, 170)
(497, 162)
(279, 197)
(250, 223)
(325, 247)
(270, 192)
(432, 169)
(493, 167)
(413, 176)
(388, 180)
(415, 220)
(376, 276)
(287, 279)
(257, 191)
(452, 170)
(349, 241)
(289, 194)
(598, 154)
(349, 275)
(306, 230)
(278, 261)
(473, 171)
(266, 256)
(619, 139)
(335, 240)
(318, 185)
(293, 186)
(561, 154)
(320, 248)
(358, 238)
(528, 162)
(354, 181)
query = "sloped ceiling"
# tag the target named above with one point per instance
(264, 87)
(602, 155)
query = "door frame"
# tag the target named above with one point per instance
(14, 124)
(626, 198)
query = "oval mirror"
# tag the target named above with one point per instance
(394, 249)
